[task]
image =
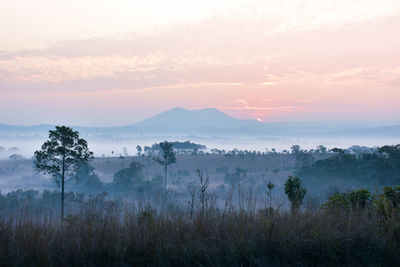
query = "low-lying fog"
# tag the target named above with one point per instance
(116, 153)
(120, 146)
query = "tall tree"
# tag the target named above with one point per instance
(168, 157)
(61, 156)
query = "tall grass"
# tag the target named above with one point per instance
(101, 232)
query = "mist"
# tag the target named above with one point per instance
(212, 128)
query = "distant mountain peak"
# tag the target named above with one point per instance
(208, 109)
(181, 118)
(176, 109)
(193, 110)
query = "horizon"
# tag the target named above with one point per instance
(393, 122)
(116, 64)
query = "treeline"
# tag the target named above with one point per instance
(179, 147)
(190, 148)
(379, 168)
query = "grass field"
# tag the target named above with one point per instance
(101, 232)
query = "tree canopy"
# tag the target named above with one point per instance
(62, 153)
(61, 156)
(126, 179)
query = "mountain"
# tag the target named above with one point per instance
(212, 122)
(183, 118)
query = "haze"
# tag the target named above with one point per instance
(101, 63)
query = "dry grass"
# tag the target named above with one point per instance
(111, 233)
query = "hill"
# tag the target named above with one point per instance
(183, 118)
(212, 122)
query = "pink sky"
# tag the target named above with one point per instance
(269, 60)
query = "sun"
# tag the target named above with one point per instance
(260, 120)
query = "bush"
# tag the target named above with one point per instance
(360, 198)
(355, 199)
(393, 195)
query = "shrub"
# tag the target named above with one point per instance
(393, 195)
(360, 198)
(355, 199)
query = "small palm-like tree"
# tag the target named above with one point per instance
(295, 191)
(270, 186)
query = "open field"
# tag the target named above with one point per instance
(101, 232)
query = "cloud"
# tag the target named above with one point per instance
(216, 63)
(268, 83)
(216, 44)
(264, 108)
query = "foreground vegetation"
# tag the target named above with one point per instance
(354, 228)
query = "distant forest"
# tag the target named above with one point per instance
(379, 168)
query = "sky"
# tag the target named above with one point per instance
(104, 63)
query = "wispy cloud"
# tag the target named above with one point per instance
(268, 60)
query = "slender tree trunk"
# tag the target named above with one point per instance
(165, 179)
(239, 200)
(62, 199)
(62, 190)
(270, 198)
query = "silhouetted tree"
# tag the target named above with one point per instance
(270, 186)
(295, 149)
(295, 191)
(168, 157)
(139, 150)
(61, 155)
